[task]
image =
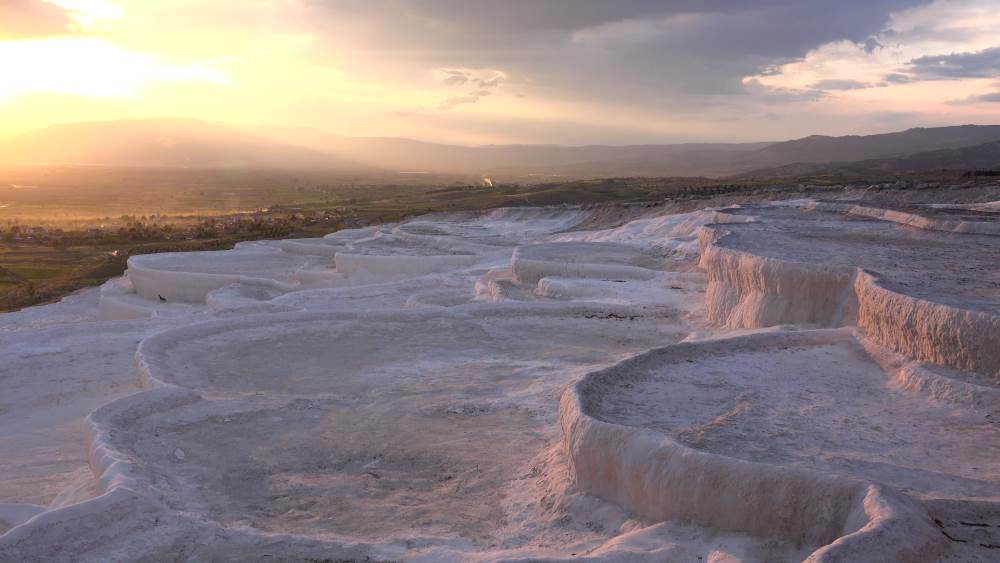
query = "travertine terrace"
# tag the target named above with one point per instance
(779, 381)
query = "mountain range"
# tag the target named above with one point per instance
(199, 144)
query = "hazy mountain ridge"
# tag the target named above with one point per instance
(691, 159)
(159, 142)
(985, 156)
(819, 148)
(192, 143)
(598, 160)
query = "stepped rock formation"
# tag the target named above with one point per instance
(829, 273)
(786, 381)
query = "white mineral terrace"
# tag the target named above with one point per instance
(791, 381)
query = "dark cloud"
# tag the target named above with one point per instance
(991, 97)
(490, 17)
(469, 20)
(21, 19)
(640, 51)
(871, 45)
(833, 84)
(897, 78)
(980, 64)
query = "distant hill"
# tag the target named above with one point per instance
(191, 143)
(984, 156)
(818, 148)
(692, 159)
(160, 142)
(689, 159)
(980, 157)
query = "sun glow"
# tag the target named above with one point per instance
(350, 68)
(88, 12)
(86, 66)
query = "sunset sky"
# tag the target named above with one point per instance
(514, 71)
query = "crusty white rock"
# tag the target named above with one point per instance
(522, 384)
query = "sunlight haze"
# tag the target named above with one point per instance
(477, 73)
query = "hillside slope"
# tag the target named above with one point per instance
(691, 159)
(985, 156)
(199, 144)
(160, 142)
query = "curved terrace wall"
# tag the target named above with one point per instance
(932, 332)
(650, 474)
(905, 218)
(529, 271)
(749, 291)
(188, 287)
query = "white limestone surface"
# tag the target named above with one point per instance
(513, 385)
(932, 296)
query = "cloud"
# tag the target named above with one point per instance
(872, 44)
(21, 19)
(492, 20)
(24, 19)
(484, 78)
(88, 12)
(472, 98)
(776, 95)
(493, 81)
(897, 78)
(989, 98)
(720, 61)
(663, 69)
(941, 40)
(456, 101)
(645, 51)
(452, 77)
(840, 84)
(980, 64)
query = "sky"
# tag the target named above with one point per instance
(514, 71)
